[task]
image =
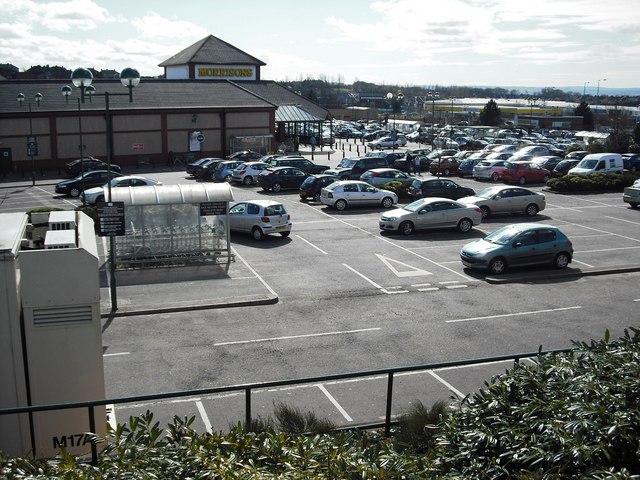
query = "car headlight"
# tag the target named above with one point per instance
(391, 219)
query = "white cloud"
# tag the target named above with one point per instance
(154, 26)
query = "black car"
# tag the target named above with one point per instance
(631, 161)
(564, 166)
(191, 166)
(245, 156)
(438, 187)
(76, 167)
(547, 162)
(298, 162)
(205, 169)
(313, 185)
(84, 181)
(281, 178)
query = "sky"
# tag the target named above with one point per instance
(507, 43)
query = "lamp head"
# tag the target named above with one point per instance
(81, 77)
(20, 98)
(130, 77)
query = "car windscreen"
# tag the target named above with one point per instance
(486, 192)
(587, 163)
(503, 235)
(348, 162)
(413, 206)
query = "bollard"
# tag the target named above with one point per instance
(358, 150)
(343, 154)
(349, 147)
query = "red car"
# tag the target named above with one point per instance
(445, 166)
(524, 172)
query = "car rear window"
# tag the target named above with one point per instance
(274, 210)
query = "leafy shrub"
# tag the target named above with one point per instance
(571, 416)
(293, 420)
(398, 187)
(592, 182)
(418, 427)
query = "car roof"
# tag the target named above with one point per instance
(436, 199)
(383, 169)
(523, 227)
(261, 202)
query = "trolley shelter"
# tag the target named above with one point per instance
(174, 224)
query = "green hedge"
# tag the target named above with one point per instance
(595, 182)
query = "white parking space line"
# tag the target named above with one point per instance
(312, 245)
(409, 250)
(622, 220)
(203, 414)
(609, 249)
(379, 287)
(115, 354)
(610, 233)
(342, 411)
(455, 391)
(235, 252)
(293, 337)
(505, 315)
(581, 263)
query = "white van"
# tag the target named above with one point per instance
(599, 163)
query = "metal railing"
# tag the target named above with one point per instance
(248, 388)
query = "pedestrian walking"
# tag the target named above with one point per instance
(416, 162)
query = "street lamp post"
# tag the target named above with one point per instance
(82, 79)
(399, 97)
(584, 89)
(66, 91)
(32, 144)
(433, 95)
(532, 102)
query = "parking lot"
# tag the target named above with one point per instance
(351, 298)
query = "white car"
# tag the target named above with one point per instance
(631, 194)
(260, 218)
(354, 193)
(430, 213)
(248, 173)
(98, 194)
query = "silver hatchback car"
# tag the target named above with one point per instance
(502, 199)
(260, 218)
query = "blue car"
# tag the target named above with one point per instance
(223, 170)
(518, 245)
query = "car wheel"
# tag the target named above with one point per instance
(100, 199)
(446, 172)
(465, 225)
(264, 188)
(406, 228)
(340, 205)
(531, 210)
(561, 261)
(497, 266)
(545, 179)
(634, 205)
(634, 169)
(387, 202)
(285, 234)
(522, 181)
(495, 177)
(74, 192)
(257, 233)
(485, 211)
(276, 187)
(227, 178)
(316, 197)
(247, 180)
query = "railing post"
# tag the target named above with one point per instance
(387, 420)
(247, 407)
(92, 429)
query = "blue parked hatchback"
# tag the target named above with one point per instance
(518, 245)
(224, 170)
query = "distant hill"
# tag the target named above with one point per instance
(590, 90)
